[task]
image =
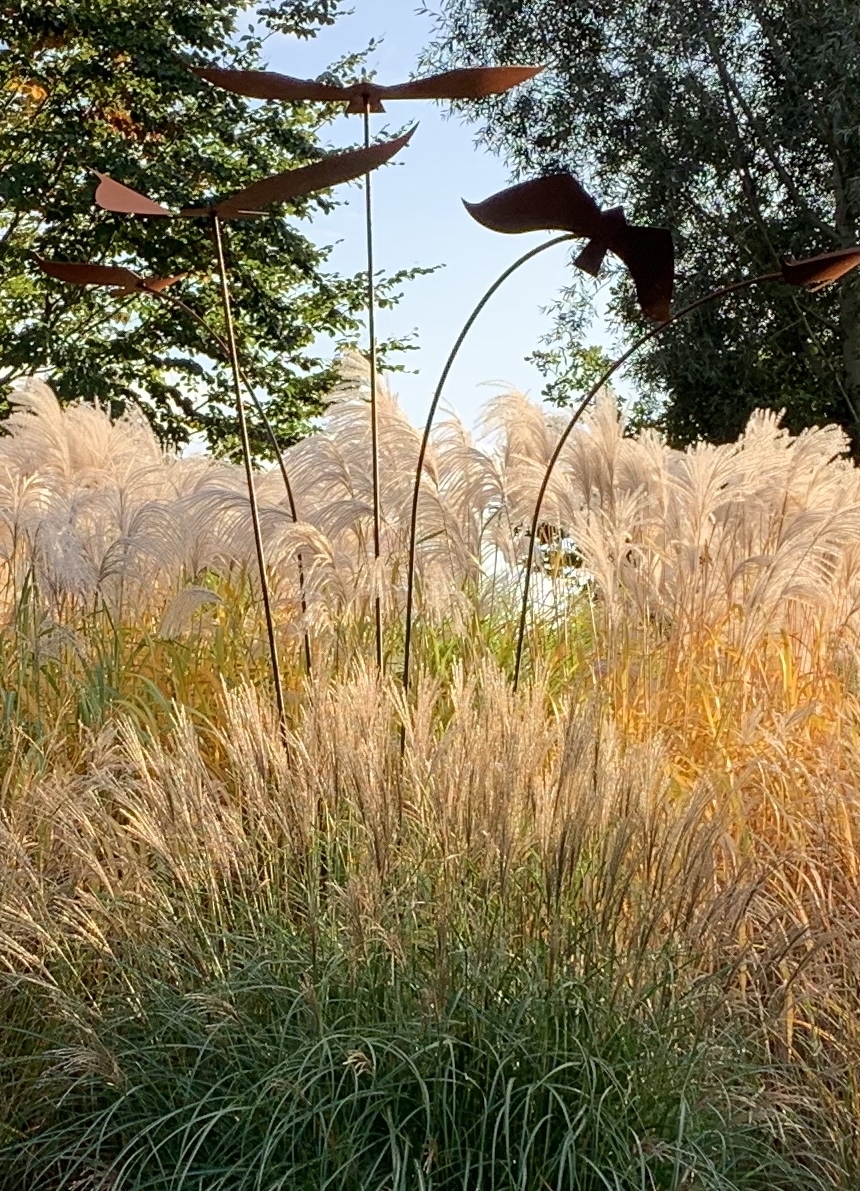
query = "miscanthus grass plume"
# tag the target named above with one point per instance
(599, 934)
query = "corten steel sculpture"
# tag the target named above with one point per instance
(246, 204)
(120, 283)
(812, 273)
(559, 203)
(362, 98)
(556, 202)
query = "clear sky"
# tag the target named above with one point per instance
(420, 220)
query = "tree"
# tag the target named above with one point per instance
(105, 84)
(737, 124)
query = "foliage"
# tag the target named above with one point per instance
(96, 84)
(296, 1068)
(736, 124)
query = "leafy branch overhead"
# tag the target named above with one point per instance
(737, 124)
(108, 86)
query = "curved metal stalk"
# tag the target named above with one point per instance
(580, 410)
(249, 474)
(374, 404)
(419, 468)
(270, 433)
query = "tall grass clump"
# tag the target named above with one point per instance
(599, 934)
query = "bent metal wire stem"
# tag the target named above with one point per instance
(812, 273)
(425, 440)
(249, 470)
(250, 203)
(362, 98)
(123, 282)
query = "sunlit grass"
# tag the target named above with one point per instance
(601, 933)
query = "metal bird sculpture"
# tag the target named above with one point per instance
(248, 203)
(815, 272)
(119, 281)
(362, 98)
(559, 202)
(475, 82)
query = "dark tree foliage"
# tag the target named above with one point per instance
(737, 124)
(104, 84)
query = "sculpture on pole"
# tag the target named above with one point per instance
(120, 283)
(557, 202)
(362, 98)
(246, 204)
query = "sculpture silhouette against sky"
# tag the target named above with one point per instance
(363, 98)
(250, 203)
(555, 202)
(558, 202)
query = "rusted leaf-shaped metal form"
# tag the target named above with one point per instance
(86, 274)
(280, 188)
(119, 280)
(267, 84)
(814, 272)
(469, 83)
(113, 196)
(559, 202)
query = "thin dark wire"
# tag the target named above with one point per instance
(419, 468)
(580, 410)
(374, 404)
(249, 475)
(270, 432)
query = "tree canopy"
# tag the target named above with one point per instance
(105, 84)
(737, 124)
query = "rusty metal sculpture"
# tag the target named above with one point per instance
(362, 98)
(121, 282)
(558, 202)
(250, 202)
(812, 273)
(245, 204)
(472, 82)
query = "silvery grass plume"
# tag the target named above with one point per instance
(94, 510)
(738, 544)
(731, 546)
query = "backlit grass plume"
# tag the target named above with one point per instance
(601, 932)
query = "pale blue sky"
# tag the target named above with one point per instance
(420, 220)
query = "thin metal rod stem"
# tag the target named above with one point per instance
(425, 441)
(270, 433)
(580, 410)
(374, 403)
(249, 475)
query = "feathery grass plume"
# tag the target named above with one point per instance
(645, 862)
(539, 860)
(733, 549)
